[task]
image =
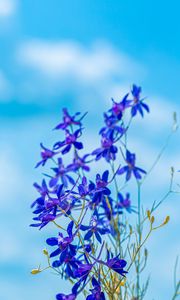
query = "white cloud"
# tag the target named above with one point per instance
(98, 62)
(93, 74)
(7, 7)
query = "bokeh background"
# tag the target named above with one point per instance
(79, 54)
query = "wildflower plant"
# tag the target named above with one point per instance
(96, 244)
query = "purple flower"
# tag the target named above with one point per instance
(112, 128)
(43, 191)
(130, 168)
(138, 104)
(94, 229)
(116, 264)
(84, 188)
(70, 262)
(124, 203)
(119, 108)
(46, 154)
(107, 150)
(102, 182)
(51, 203)
(79, 163)
(100, 189)
(61, 173)
(65, 297)
(96, 293)
(71, 139)
(62, 242)
(68, 120)
(45, 205)
(83, 271)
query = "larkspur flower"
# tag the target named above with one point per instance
(112, 126)
(94, 229)
(138, 103)
(108, 150)
(124, 202)
(46, 154)
(85, 188)
(83, 271)
(96, 292)
(69, 120)
(65, 297)
(131, 168)
(119, 108)
(63, 243)
(61, 173)
(45, 205)
(100, 189)
(50, 206)
(79, 163)
(67, 257)
(70, 140)
(43, 191)
(116, 264)
(102, 182)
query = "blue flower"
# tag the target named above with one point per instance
(71, 139)
(116, 264)
(93, 228)
(107, 150)
(63, 243)
(96, 293)
(69, 120)
(83, 271)
(46, 205)
(67, 257)
(79, 163)
(119, 108)
(112, 127)
(46, 154)
(100, 189)
(130, 168)
(138, 104)
(65, 297)
(124, 202)
(61, 173)
(84, 188)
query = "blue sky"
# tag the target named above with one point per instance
(79, 54)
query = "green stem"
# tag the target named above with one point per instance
(139, 240)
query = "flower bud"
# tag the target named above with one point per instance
(35, 271)
(45, 252)
(166, 220)
(152, 220)
(148, 214)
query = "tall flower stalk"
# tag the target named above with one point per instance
(94, 244)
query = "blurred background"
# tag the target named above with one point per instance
(79, 54)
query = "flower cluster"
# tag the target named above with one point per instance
(87, 213)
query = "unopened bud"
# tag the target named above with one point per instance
(45, 252)
(152, 220)
(35, 271)
(166, 220)
(148, 214)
